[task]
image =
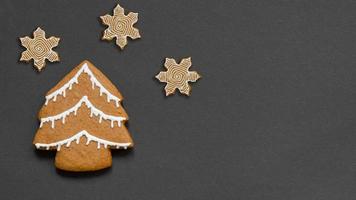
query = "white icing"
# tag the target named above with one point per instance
(93, 111)
(94, 81)
(77, 137)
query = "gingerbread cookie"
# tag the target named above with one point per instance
(177, 76)
(120, 26)
(82, 119)
(39, 49)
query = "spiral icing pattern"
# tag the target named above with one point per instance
(177, 75)
(40, 47)
(121, 26)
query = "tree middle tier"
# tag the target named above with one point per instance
(73, 110)
(82, 121)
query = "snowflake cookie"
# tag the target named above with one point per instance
(39, 48)
(177, 76)
(120, 26)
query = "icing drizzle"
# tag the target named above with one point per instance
(77, 137)
(74, 80)
(93, 111)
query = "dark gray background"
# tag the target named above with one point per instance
(272, 118)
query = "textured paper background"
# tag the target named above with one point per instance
(272, 118)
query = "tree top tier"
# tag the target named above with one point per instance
(84, 67)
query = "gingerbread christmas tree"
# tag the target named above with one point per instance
(82, 120)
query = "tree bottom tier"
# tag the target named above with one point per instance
(81, 157)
